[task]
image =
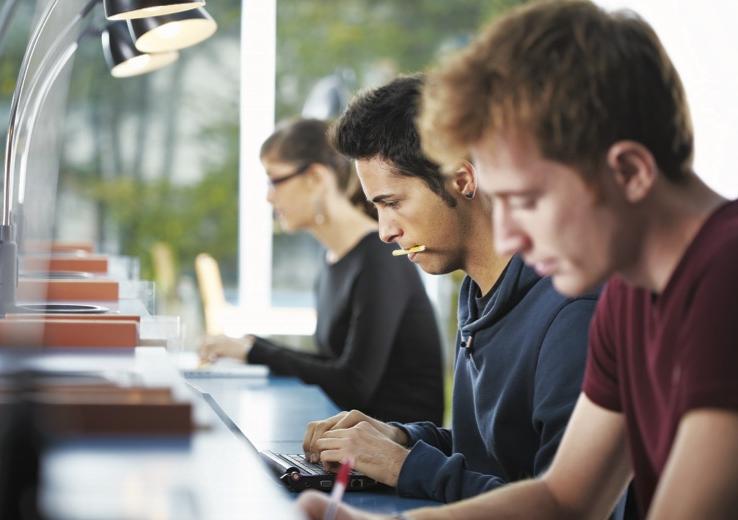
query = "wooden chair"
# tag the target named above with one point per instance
(211, 293)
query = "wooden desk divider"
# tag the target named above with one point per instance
(65, 332)
(67, 290)
(97, 264)
(46, 246)
(118, 418)
(67, 407)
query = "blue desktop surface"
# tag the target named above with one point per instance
(210, 474)
(215, 473)
(272, 413)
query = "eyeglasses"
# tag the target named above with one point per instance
(299, 171)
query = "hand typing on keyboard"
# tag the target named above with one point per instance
(373, 453)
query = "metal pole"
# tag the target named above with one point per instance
(50, 69)
(34, 99)
(18, 94)
(9, 144)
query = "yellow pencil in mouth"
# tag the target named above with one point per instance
(414, 249)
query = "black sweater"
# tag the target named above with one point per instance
(378, 344)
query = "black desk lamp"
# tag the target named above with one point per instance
(132, 9)
(123, 60)
(173, 31)
(21, 441)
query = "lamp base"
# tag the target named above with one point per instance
(60, 308)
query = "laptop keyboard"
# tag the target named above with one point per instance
(307, 467)
(310, 468)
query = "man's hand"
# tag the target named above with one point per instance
(314, 505)
(214, 347)
(343, 420)
(373, 453)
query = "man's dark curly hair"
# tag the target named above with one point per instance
(380, 123)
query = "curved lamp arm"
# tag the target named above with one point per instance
(33, 97)
(35, 105)
(17, 114)
(8, 247)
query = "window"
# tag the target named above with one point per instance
(150, 163)
(321, 52)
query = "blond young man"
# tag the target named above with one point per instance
(579, 126)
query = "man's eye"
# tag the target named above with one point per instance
(523, 203)
(391, 204)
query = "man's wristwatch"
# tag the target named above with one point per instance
(400, 516)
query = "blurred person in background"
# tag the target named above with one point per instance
(378, 345)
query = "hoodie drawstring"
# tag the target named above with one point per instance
(466, 344)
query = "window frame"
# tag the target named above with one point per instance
(255, 313)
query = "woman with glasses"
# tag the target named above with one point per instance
(378, 347)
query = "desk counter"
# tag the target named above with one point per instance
(272, 412)
(211, 474)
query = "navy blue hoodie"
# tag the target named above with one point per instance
(518, 375)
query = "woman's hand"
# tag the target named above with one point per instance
(214, 347)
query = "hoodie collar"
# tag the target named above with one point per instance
(512, 285)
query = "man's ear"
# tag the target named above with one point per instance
(634, 169)
(464, 180)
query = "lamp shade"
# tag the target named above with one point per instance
(130, 9)
(172, 32)
(122, 57)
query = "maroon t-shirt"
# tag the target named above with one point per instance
(656, 357)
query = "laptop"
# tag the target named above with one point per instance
(297, 473)
(294, 471)
(191, 367)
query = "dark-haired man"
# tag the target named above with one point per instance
(579, 124)
(520, 345)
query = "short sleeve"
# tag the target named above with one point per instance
(707, 371)
(601, 381)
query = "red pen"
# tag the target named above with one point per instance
(339, 486)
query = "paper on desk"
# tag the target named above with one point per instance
(189, 365)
